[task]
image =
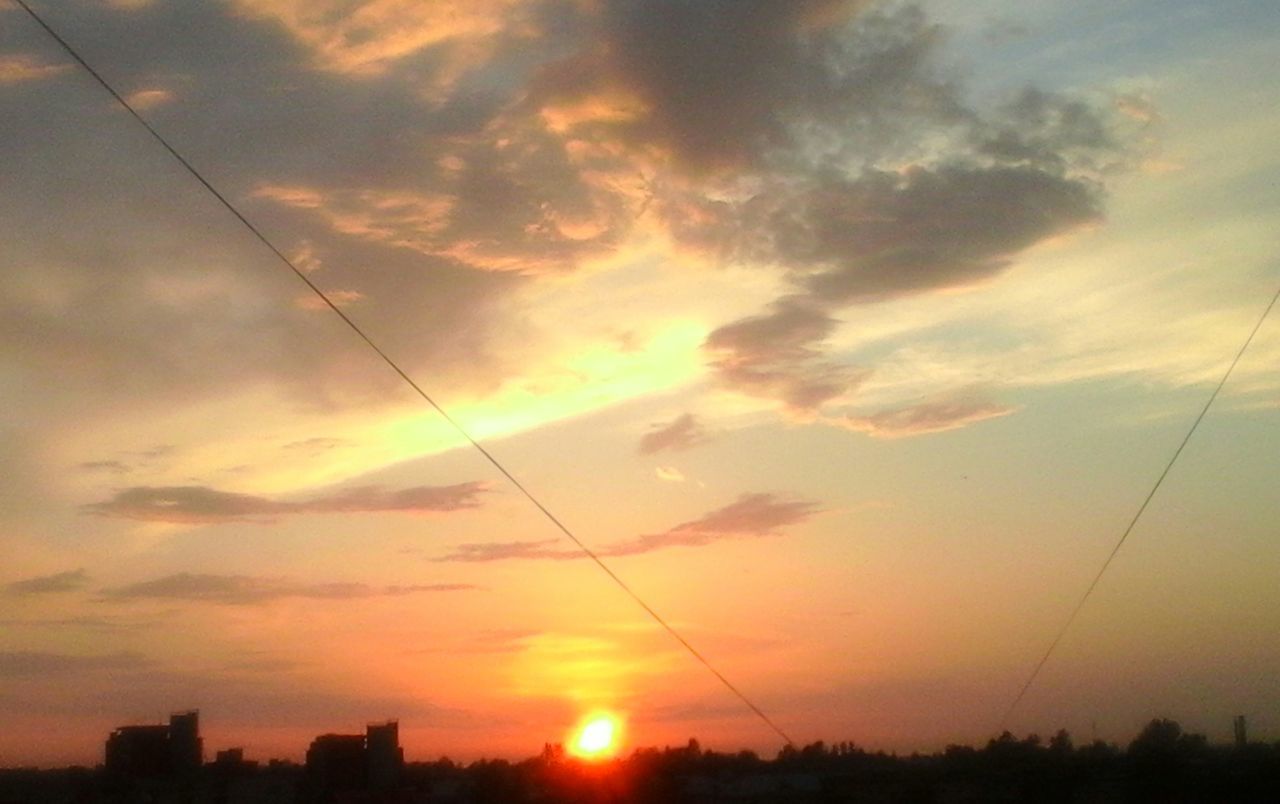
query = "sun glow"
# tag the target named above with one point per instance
(596, 736)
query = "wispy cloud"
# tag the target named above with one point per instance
(681, 433)
(204, 505)
(479, 552)
(248, 589)
(931, 416)
(751, 516)
(38, 664)
(16, 68)
(149, 98)
(340, 298)
(45, 584)
(113, 467)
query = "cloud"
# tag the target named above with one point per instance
(145, 99)
(778, 355)
(246, 589)
(36, 664)
(17, 68)
(480, 552)
(879, 182)
(204, 505)
(713, 95)
(59, 582)
(114, 467)
(514, 198)
(368, 39)
(885, 234)
(683, 432)
(103, 624)
(318, 444)
(751, 516)
(340, 298)
(933, 416)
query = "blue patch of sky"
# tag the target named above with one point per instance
(1082, 45)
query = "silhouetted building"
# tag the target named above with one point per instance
(386, 757)
(1242, 733)
(186, 749)
(152, 751)
(370, 761)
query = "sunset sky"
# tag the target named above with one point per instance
(850, 334)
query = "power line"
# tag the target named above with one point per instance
(71, 51)
(1138, 515)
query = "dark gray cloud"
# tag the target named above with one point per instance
(37, 664)
(683, 432)
(69, 581)
(844, 239)
(891, 234)
(247, 589)
(751, 516)
(721, 78)
(204, 505)
(930, 416)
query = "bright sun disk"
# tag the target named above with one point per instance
(596, 737)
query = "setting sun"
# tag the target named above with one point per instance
(596, 737)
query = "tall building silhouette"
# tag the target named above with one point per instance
(385, 756)
(157, 750)
(370, 761)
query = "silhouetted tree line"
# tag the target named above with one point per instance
(1162, 764)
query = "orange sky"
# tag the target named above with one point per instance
(849, 334)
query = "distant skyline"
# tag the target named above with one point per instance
(850, 334)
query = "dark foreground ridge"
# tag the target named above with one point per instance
(164, 764)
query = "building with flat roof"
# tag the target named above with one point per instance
(157, 750)
(370, 761)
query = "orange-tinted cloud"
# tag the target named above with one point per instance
(17, 68)
(149, 98)
(368, 38)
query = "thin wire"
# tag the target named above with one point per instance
(1156, 487)
(396, 368)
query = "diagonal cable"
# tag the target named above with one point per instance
(1138, 515)
(320, 294)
